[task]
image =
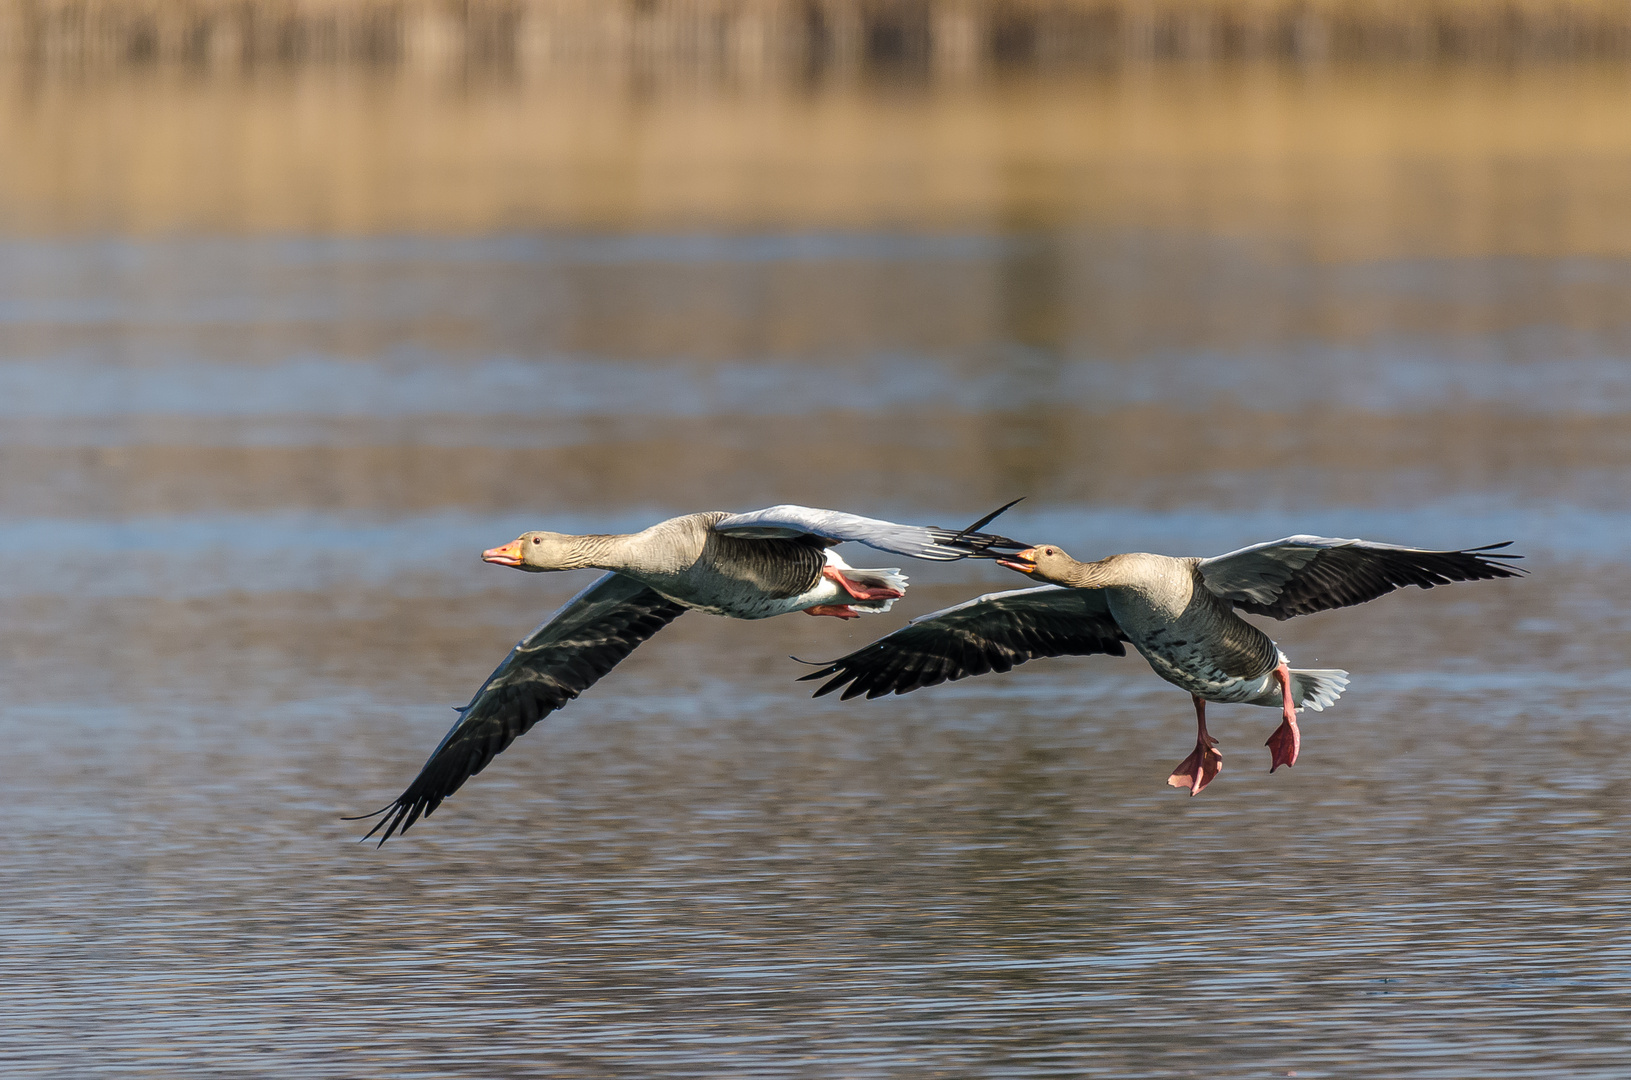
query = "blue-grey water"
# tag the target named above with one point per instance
(243, 486)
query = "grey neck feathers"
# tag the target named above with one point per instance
(601, 551)
(1090, 575)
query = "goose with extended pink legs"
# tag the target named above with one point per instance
(1181, 614)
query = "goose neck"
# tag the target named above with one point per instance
(1092, 575)
(603, 551)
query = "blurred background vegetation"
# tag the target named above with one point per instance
(805, 34)
(1361, 128)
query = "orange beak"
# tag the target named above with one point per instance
(1023, 561)
(508, 555)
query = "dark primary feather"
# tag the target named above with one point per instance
(995, 632)
(989, 518)
(1304, 574)
(832, 526)
(565, 656)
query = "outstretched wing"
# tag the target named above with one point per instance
(994, 632)
(555, 663)
(831, 526)
(1304, 574)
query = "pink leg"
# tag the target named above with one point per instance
(859, 592)
(1286, 740)
(1200, 768)
(837, 611)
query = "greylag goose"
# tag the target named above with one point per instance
(1179, 613)
(742, 566)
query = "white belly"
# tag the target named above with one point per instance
(758, 606)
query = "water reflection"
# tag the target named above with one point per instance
(1352, 161)
(246, 465)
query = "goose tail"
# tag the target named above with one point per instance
(1317, 688)
(891, 578)
(890, 581)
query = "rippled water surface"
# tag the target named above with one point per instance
(244, 479)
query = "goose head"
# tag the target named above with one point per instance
(538, 552)
(1044, 563)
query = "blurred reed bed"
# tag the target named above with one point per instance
(952, 35)
(1363, 128)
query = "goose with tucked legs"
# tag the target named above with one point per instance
(742, 566)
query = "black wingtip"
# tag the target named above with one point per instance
(399, 821)
(974, 544)
(1485, 555)
(365, 817)
(390, 819)
(989, 518)
(831, 684)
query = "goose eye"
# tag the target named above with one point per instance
(538, 539)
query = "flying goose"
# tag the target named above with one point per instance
(1179, 613)
(742, 566)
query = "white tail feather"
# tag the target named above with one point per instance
(891, 578)
(879, 579)
(1318, 688)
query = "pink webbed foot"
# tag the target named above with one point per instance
(1286, 740)
(1198, 769)
(858, 591)
(837, 611)
(1202, 767)
(1284, 744)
